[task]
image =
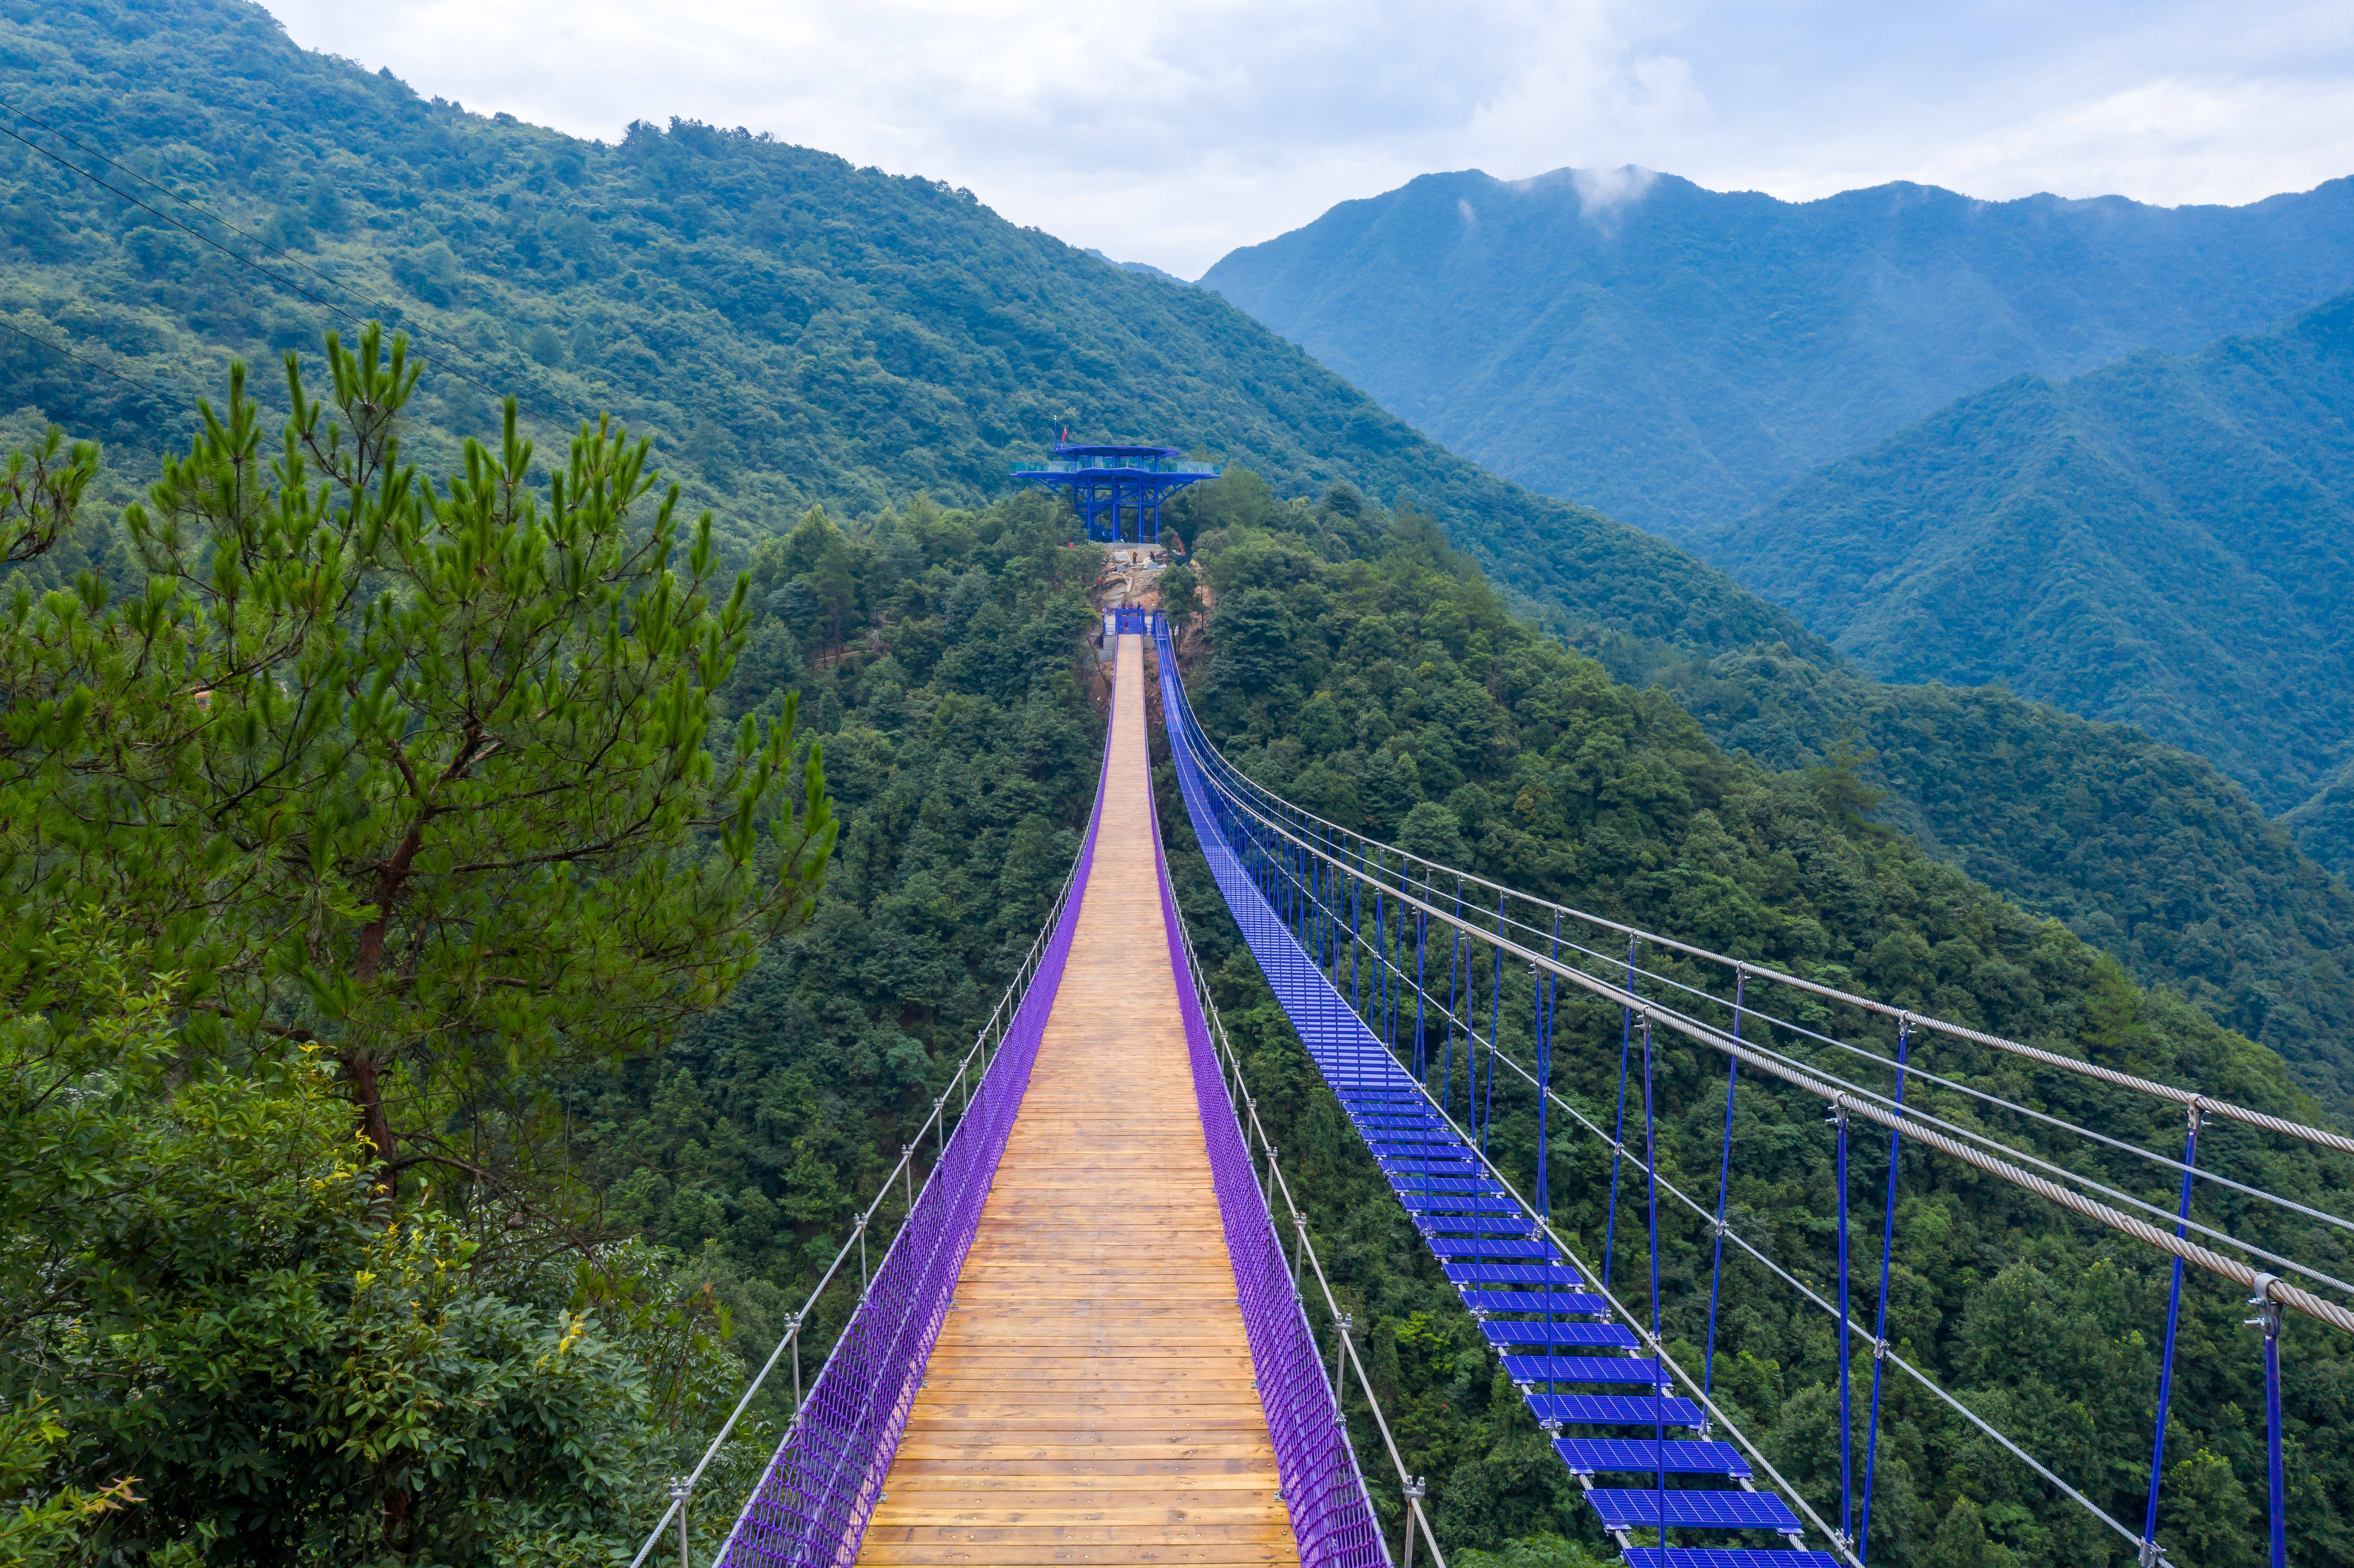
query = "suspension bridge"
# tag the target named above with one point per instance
(1089, 1341)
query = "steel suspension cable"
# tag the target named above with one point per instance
(1805, 1292)
(2283, 1126)
(1618, 1128)
(1952, 1138)
(2166, 1363)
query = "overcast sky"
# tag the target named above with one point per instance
(1173, 133)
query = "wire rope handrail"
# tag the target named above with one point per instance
(987, 1050)
(1240, 1103)
(1268, 811)
(1334, 1521)
(1235, 780)
(1315, 868)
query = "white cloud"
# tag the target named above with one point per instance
(1172, 133)
(1601, 192)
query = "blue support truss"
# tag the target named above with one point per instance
(1117, 488)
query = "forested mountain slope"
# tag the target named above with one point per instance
(791, 328)
(1358, 671)
(587, 1228)
(2144, 849)
(1673, 354)
(2167, 541)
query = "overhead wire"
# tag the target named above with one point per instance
(2165, 1161)
(105, 369)
(1869, 1103)
(1306, 845)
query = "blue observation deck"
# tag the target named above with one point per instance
(1116, 488)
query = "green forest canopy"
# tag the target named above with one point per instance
(1354, 664)
(791, 329)
(637, 1211)
(2162, 542)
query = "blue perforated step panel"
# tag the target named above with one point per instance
(1398, 1165)
(1415, 1181)
(1433, 1226)
(1512, 1274)
(1453, 1247)
(1724, 1557)
(1532, 1301)
(1463, 1203)
(1612, 1410)
(1580, 1336)
(1582, 1369)
(1646, 1455)
(1633, 1507)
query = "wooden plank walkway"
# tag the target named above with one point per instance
(1090, 1400)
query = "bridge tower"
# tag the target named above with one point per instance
(1112, 487)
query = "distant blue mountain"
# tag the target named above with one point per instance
(1674, 355)
(1145, 267)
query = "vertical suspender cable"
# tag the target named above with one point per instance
(1495, 1023)
(1618, 1128)
(1421, 941)
(1880, 1322)
(1659, 1365)
(1544, 999)
(1446, 1075)
(1724, 1180)
(1847, 1413)
(2166, 1364)
(1357, 912)
(2268, 1314)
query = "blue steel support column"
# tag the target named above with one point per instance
(1880, 1322)
(1659, 1391)
(2165, 1365)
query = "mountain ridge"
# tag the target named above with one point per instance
(2167, 541)
(1672, 354)
(792, 330)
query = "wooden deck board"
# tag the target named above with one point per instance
(1092, 1398)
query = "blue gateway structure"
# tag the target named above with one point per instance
(1111, 485)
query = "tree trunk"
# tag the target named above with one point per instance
(359, 1071)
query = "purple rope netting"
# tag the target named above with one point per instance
(1332, 1517)
(811, 1506)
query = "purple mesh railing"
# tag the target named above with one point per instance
(1331, 1516)
(811, 1506)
